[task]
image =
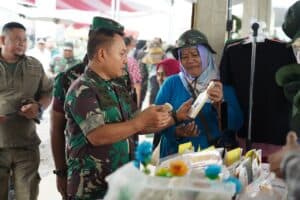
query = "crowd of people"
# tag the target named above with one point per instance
(96, 105)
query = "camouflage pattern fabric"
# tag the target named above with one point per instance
(62, 64)
(86, 110)
(62, 83)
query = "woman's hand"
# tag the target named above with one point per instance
(215, 93)
(187, 130)
(183, 111)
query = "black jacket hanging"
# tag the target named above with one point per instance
(271, 110)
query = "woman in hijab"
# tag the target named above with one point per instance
(197, 68)
(164, 69)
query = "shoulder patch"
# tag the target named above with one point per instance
(234, 42)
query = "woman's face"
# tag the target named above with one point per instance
(191, 61)
(160, 75)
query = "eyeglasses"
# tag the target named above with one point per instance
(19, 41)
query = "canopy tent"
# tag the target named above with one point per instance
(93, 5)
(30, 2)
(140, 17)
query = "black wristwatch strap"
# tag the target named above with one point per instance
(175, 117)
(60, 172)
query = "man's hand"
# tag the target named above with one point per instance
(183, 110)
(2, 118)
(154, 118)
(30, 111)
(276, 158)
(61, 184)
(215, 93)
(187, 130)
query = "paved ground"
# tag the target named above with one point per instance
(47, 186)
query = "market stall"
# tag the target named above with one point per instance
(196, 176)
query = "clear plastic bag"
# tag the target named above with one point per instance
(265, 187)
(128, 183)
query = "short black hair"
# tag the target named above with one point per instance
(12, 25)
(128, 40)
(97, 38)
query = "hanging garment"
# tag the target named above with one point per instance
(271, 110)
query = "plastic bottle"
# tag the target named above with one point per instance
(200, 101)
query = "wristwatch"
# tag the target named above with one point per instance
(60, 172)
(41, 110)
(175, 117)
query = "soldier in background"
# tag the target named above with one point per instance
(68, 60)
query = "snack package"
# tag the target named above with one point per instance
(244, 172)
(233, 156)
(256, 159)
(128, 183)
(203, 158)
(265, 187)
(185, 148)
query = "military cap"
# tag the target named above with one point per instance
(68, 46)
(191, 38)
(106, 23)
(291, 24)
(41, 40)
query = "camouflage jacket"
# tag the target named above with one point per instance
(62, 83)
(62, 64)
(90, 103)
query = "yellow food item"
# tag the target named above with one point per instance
(209, 148)
(203, 158)
(252, 154)
(185, 147)
(233, 156)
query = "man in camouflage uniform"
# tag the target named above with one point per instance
(25, 91)
(99, 112)
(58, 122)
(68, 60)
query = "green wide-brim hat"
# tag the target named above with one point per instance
(291, 24)
(295, 121)
(297, 100)
(290, 90)
(106, 23)
(288, 77)
(287, 74)
(191, 38)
